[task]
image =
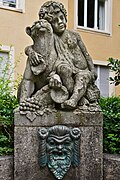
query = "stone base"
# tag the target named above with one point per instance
(111, 166)
(26, 145)
(6, 167)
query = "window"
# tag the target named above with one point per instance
(12, 4)
(6, 61)
(103, 83)
(94, 14)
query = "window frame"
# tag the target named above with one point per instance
(10, 51)
(108, 18)
(20, 6)
(111, 74)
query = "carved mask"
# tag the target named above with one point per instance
(59, 151)
(59, 143)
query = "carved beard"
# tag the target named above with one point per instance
(59, 162)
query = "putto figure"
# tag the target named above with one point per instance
(59, 71)
(59, 149)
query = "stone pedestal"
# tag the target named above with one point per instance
(26, 145)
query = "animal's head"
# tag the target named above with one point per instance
(39, 28)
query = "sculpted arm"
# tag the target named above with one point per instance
(34, 58)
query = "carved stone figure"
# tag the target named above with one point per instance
(59, 71)
(59, 149)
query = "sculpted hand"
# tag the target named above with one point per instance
(55, 81)
(35, 58)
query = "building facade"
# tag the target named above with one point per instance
(96, 20)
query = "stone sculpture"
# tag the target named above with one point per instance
(59, 77)
(59, 149)
(59, 71)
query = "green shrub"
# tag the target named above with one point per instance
(115, 67)
(8, 102)
(111, 124)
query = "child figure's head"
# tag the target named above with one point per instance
(55, 13)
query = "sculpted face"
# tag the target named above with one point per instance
(59, 23)
(59, 150)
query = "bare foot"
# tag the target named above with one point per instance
(69, 104)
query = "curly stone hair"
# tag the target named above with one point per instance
(50, 8)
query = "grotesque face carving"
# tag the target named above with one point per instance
(59, 143)
(59, 151)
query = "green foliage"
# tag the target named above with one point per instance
(115, 66)
(111, 124)
(8, 102)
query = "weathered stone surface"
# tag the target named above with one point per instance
(6, 168)
(26, 148)
(59, 70)
(111, 167)
(78, 118)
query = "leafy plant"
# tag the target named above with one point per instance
(8, 102)
(115, 66)
(111, 124)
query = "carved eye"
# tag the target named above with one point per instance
(51, 143)
(61, 17)
(54, 20)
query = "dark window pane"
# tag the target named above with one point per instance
(90, 13)
(81, 12)
(10, 3)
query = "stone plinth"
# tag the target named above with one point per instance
(6, 167)
(111, 166)
(26, 145)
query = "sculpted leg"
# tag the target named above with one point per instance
(81, 83)
(65, 72)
